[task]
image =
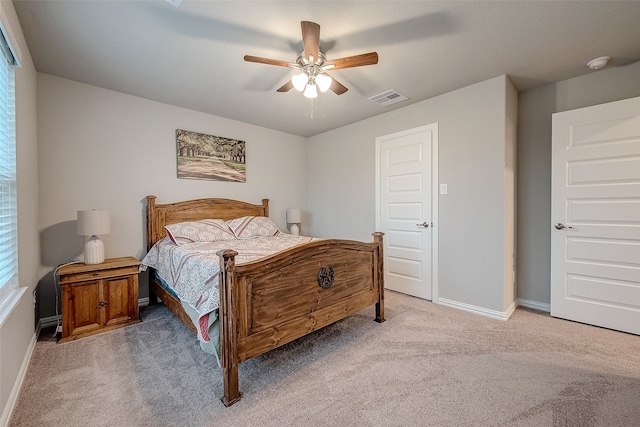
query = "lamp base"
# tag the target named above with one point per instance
(94, 251)
(294, 229)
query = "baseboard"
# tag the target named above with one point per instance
(535, 305)
(143, 302)
(494, 314)
(38, 329)
(13, 397)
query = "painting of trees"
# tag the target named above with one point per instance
(202, 156)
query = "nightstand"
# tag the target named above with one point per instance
(98, 297)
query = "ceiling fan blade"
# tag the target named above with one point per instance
(310, 39)
(337, 87)
(285, 87)
(353, 61)
(268, 61)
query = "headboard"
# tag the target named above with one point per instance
(193, 210)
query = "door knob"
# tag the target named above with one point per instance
(424, 224)
(560, 226)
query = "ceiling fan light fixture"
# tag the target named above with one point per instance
(324, 82)
(311, 91)
(300, 81)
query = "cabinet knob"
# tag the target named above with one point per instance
(103, 303)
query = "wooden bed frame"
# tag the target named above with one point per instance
(267, 303)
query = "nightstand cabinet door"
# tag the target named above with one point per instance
(119, 295)
(80, 308)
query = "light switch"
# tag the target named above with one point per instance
(443, 188)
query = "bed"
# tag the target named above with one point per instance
(271, 301)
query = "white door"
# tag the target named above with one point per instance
(595, 211)
(405, 179)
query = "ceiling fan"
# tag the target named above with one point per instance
(313, 65)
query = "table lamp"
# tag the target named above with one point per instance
(93, 223)
(294, 217)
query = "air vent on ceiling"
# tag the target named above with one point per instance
(387, 98)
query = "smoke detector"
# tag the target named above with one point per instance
(596, 64)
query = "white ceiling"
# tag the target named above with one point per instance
(192, 56)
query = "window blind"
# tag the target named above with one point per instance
(8, 197)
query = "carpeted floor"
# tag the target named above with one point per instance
(428, 365)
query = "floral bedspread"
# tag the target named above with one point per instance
(192, 270)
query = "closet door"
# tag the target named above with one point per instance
(595, 211)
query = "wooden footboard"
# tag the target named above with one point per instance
(270, 302)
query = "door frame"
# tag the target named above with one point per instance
(433, 127)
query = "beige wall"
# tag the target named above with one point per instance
(17, 332)
(100, 149)
(472, 161)
(127, 145)
(534, 165)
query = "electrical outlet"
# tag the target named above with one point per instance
(59, 329)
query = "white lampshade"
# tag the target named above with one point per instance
(324, 82)
(94, 223)
(294, 216)
(311, 91)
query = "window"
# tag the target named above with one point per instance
(8, 199)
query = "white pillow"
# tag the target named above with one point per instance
(253, 226)
(207, 230)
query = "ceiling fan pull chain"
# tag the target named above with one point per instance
(312, 108)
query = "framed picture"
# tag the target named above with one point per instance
(202, 156)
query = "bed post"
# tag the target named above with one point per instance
(151, 205)
(228, 327)
(377, 238)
